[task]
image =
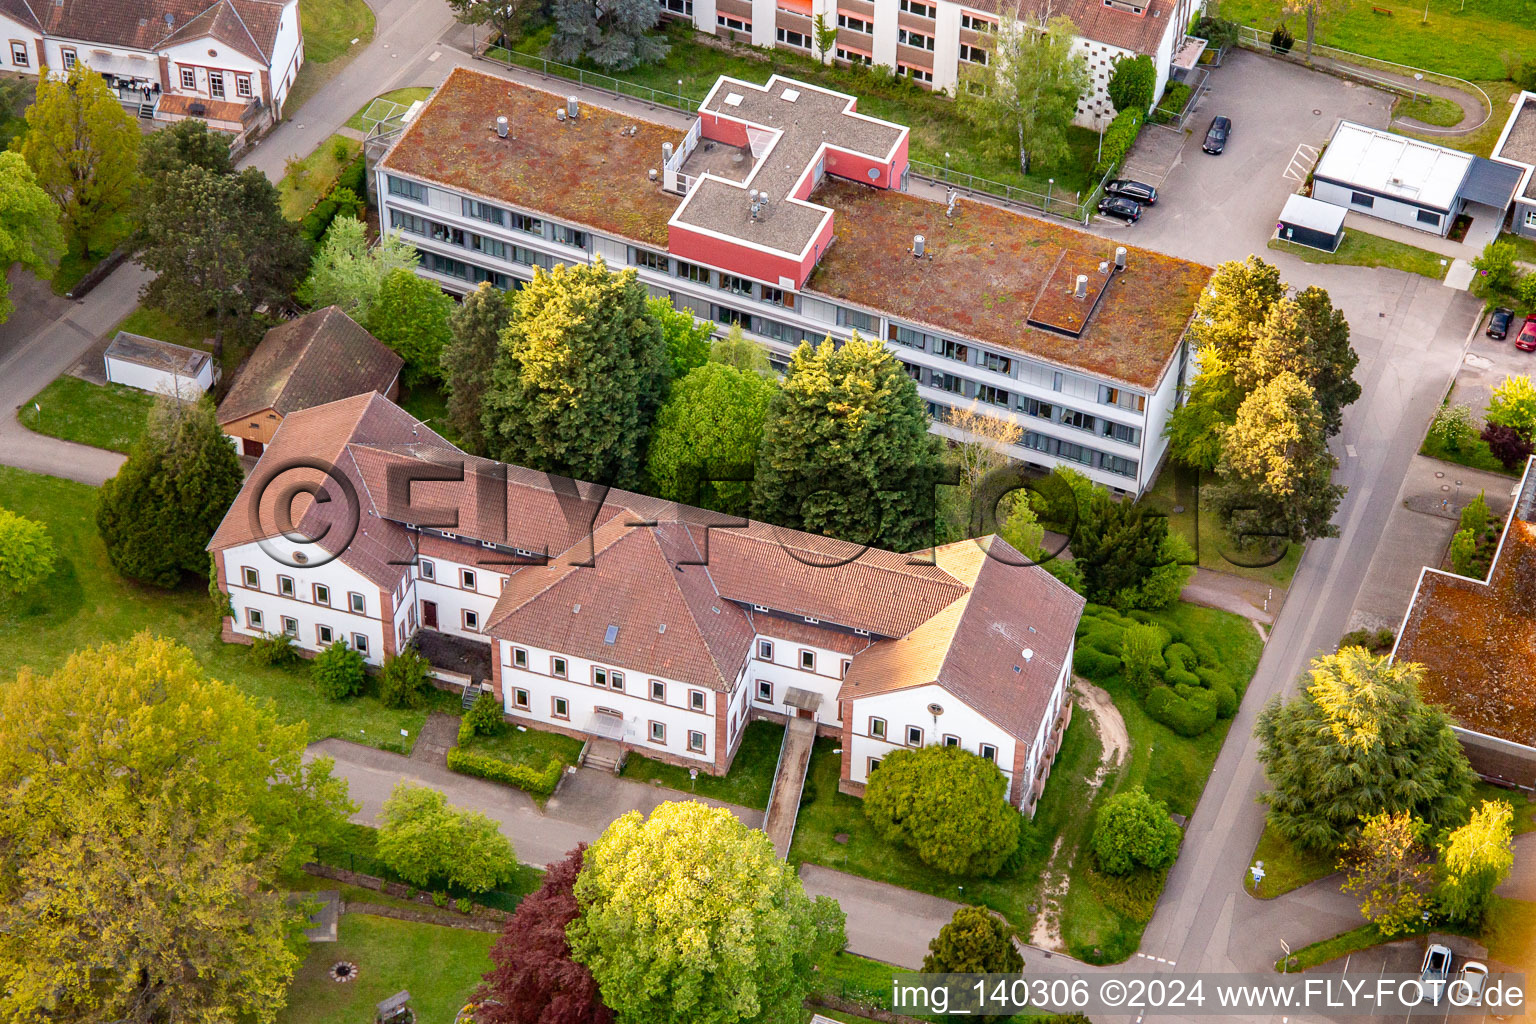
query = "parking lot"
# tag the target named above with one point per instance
(1407, 957)
(1214, 208)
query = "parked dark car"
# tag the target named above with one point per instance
(1498, 324)
(1140, 191)
(1217, 134)
(1527, 340)
(1128, 210)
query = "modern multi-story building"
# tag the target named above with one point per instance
(615, 616)
(782, 209)
(932, 42)
(227, 62)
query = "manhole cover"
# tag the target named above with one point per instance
(344, 970)
(1445, 487)
(1316, 111)
(1438, 475)
(1178, 509)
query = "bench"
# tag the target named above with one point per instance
(1381, 10)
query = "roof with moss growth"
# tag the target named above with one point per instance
(1476, 640)
(591, 171)
(990, 267)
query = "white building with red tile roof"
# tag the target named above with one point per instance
(607, 614)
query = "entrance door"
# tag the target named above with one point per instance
(251, 448)
(429, 614)
(802, 713)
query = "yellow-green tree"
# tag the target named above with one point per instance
(1474, 859)
(146, 812)
(29, 225)
(688, 917)
(1388, 868)
(84, 149)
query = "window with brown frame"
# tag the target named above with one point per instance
(807, 661)
(471, 621)
(291, 626)
(658, 690)
(914, 736)
(765, 690)
(658, 732)
(357, 604)
(360, 643)
(322, 594)
(989, 752)
(765, 650)
(467, 578)
(253, 618)
(557, 667)
(325, 635)
(520, 698)
(189, 78)
(696, 741)
(426, 570)
(519, 658)
(616, 681)
(877, 728)
(285, 586)
(599, 676)
(874, 763)
(951, 741)
(696, 700)
(560, 707)
(251, 577)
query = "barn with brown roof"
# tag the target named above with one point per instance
(311, 360)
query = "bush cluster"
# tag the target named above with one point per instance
(482, 719)
(403, 683)
(343, 200)
(275, 649)
(1118, 137)
(1378, 642)
(539, 782)
(1188, 688)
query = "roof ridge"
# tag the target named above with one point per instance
(698, 627)
(248, 33)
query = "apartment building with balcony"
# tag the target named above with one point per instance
(932, 42)
(615, 616)
(783, 209)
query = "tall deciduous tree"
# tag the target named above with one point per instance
(183, 144)
(27, 554)
(614, 35)
(502, 17)
(1276, 468)
(1023, 532)
(1314, 11)
(1025, 96)
(740, 351)
(1387, 867)
(1357, 742)
(1310, 338)
(688, 340)
(579, 376)
(1132, 83)
(410, 315)
(424, 838)
(29, 226)
(704, 445)
(1513, 405)
(533, 979)
(948, 805)
(84, 149)
(220, 247)
(158, 513)
(982, 446)
(1474, 859)
(143, 833)
(846, 450)
(347, 272)
(688, 917)
(475, 325)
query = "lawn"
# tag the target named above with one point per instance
(746, 784)
(356, 849)
(329, 28)
(1362, 250)
(938, 131)
(111, 416)
(1432, 109)
(439, 966)
(530, 747)
(151, 322)
(1461, 39)
(73, 266)
(86, 603)
(1475, 454)
(1285, 866)
(1176, 492)
(1525, 248)
(403, 97)
(1343, 944)
(1510, 933)
(305, 181)
(1483, 140)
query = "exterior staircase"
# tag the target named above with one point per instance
(147, 111)
(604, 755)
(788, 784)
(472, 693)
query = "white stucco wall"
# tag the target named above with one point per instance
(903, 708)
(160, 382)
(783, 671)
(341, 579)
(452, 598)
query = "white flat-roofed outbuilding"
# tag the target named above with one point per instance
(158, 366)
(1311, 222)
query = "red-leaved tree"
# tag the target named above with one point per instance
(533, 979)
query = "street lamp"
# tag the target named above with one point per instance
(1050, 186)
(946, 165)
(1098, 122)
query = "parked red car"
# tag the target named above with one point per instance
(1527, 340)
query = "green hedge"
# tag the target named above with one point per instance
(539, 783)
(1187, 710)
(353, 178)
(1118, 137)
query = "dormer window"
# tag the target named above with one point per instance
(1124, 5)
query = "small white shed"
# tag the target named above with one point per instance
(159, 366)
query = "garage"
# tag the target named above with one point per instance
(1311, 222)
(158, 366)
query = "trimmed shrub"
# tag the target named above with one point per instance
(338, 671)
(1189, 713)
(948, 805)
(482, 719)
(1118, 137)
(1131, 829)
(1133, 894)
(354, 176)
(538, 782)
(1094, 664)
(274, 649)
(403, 683)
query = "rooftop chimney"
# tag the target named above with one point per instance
(918, 242)
(1119, 257)
(501, 126)
(560, 114)
(1081, 291)
(1104, 267)
(571, 107)
(666, 153)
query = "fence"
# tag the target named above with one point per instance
(1258, 39)
(607, 83)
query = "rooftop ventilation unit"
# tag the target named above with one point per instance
(1119, 257)
(560, 114)
(919, 243)
(501, 126)
(572, 108)
(1081, 291)
(953, 197)
(1104, 267)
(790, 95)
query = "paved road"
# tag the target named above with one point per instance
(41, 341)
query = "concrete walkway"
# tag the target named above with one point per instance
(788, 784)
(33, 353)
(1473, 113)
(1255, 601)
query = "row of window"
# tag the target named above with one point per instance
(320, 593)
(1071, 451)
(450, 267)
(973, 54)
(678, 6)
(560, 707)
(807, 664)
(799, 40)
(906, 37)
(914, 738)
(854, 56)
(1366, 202)
(610, 679)
(216, 84)
(734, 24)
(919, 8)
(324, 635)
(427, 570)
(853, 24)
